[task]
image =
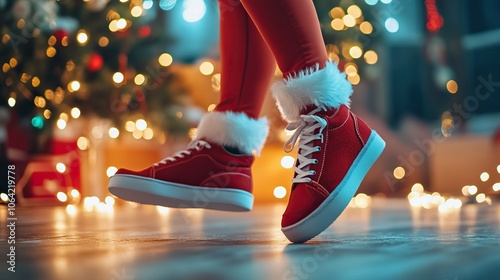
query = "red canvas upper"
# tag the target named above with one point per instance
(207, 167)
(343, 138)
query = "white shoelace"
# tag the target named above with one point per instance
(196, 145)
(304, 128)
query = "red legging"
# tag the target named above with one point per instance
(251, 33)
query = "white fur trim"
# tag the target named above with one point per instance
(325, 88)
(235, 130)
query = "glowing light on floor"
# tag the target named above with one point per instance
(61, 124)
(71, 209)
(75, 113)
(165, 59)
(111, 171)
(287, 162)
(472, 190)
(109, 200)
(480, 198)
(279, 192)
(206, 68)
(161, 209)
(83, 143)
(113, 132)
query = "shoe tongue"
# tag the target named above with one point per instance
(309, 108)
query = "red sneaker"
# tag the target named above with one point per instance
(336, 150)
(205, 174)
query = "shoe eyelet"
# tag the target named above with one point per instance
(313, 172)
(316, 161)
(318, 148)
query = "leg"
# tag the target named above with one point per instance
(247, 63)
(336, 148)
(292, 31)
(207, 174)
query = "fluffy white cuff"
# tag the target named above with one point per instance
(325, 88)
(235, 130)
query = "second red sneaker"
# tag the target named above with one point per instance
(205, 174)
(336, 149)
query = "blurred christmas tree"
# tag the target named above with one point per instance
(62, 59)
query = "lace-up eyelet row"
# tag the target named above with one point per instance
(197, 145)
(304, 132)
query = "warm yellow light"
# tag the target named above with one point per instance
(63, 116)
(279, 192)
(349, 20)
(13, 62)
(354, 11)
(366, 27)
(192, 132)
(362, 200)
(355, 52)
(111, 171)
(47, 114)
(35, 82)
(71, 209)
(139, 79)
(472, 190)
(39, 102)
(211, 107)
(11, 101)
(113, 26)
(216, 82)
(141, 124)
(83, 143)
(74, 193)
(452, 86)
(136, 11)
(287, 162)
(52, 40)
(165, 59)
(337, 12)
(484, 176)
(61, 124)
(399, 172)
(496, 187)
(5, 67)
(118, 77)
(351, 70)
(75, 113)
(121, 23)
(62, 196)
(103, 41)
(148, 133)
(113, 132)
(206, 68)
(109, 200)
(354, 79)
(480, 198)
(162, 209)
(129, 126)
(371, 57)
(82, 37)
(337, 24)
(137, 134)
(60, 167)
(51, 51)
(4, 197)
(417, 187)
(73, 86)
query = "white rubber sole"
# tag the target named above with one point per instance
(337, 201)
(156, 192)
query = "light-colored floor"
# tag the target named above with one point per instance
(386, 241)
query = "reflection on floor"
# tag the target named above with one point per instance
(390, 240)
